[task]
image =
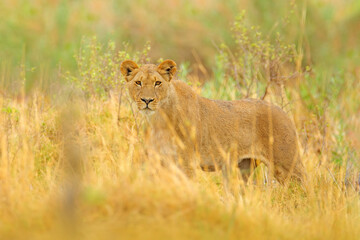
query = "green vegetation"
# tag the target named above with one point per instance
(72, 163)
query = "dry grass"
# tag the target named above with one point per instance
(72, 165)
(75, 170)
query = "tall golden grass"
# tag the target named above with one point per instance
(76, 169)
(72, 163)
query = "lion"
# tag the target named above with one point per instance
(213, 133)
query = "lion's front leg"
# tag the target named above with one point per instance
(169, 155)
(186, 163)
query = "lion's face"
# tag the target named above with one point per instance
(149, 84)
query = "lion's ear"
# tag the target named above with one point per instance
(127, 68)
(167, 69)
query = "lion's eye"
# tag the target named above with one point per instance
(157, 83)
(138, 83)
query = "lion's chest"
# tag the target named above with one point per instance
(162, 142)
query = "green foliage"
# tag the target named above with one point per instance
(99, 66)
(45, 34)
(184, 70)
(115, 190)
(255, 63)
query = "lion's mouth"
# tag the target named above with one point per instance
(147, 109)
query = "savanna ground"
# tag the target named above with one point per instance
(72, 162)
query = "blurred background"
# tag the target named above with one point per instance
(44, 35)
(71, 145)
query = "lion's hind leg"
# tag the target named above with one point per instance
(246, 167)
(293, 173)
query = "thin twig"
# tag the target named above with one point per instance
(332, 176)
(135, 118)
(266, 90)
(119, 107)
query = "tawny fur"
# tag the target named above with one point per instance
(186, 126)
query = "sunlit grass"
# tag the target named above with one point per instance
(113, 190)
(72, 159)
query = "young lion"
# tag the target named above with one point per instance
(218, 133)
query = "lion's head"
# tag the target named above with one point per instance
(149, 84)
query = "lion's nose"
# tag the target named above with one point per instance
(147, 100)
